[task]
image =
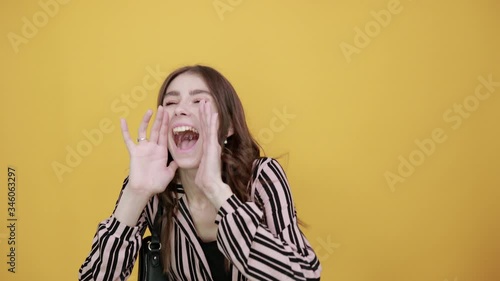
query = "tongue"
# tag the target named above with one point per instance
(187, 144)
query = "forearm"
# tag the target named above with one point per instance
(113, 252)
(115, 244)
(257, 252)
(131, 205)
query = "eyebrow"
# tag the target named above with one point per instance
(191, 93)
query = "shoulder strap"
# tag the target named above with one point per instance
(150, 265)
(156, 228)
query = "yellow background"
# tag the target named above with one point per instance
(353, 116)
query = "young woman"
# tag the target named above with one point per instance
(228, 214)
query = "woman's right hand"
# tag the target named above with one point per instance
(149, 173)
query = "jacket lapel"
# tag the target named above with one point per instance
(185, 223)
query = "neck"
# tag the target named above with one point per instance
(195, 196)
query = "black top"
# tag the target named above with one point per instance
(215, 261)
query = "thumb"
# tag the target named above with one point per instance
(173, 166)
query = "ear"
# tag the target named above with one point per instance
(230, 131)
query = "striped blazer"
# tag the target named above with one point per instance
(262, 244)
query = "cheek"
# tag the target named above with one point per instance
(196, 114)
(170, 112)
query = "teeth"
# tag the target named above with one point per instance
(182, 129)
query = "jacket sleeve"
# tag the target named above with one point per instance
(266, 244)
(115, 246)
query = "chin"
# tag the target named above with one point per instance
(187, 163)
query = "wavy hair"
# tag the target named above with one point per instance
(237, 156)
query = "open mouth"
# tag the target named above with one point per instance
(185, 137)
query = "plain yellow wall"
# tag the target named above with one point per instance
(389, 130)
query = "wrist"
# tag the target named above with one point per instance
(219, 194)
(138, 193)
(130, 206)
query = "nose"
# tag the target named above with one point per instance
(180, 109)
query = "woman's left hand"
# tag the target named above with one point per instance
(208, 177)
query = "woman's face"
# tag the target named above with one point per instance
(182, 101)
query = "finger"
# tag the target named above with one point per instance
(163, 140)
(211, 125)
(203, 121)
(171, 168)
(208, 111)
(155, 130)
(144, 124)
(126, 134)
(208, 118)
(214, 128)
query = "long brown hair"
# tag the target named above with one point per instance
(237, 156)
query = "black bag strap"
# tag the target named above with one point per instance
(155, 244)
(150, 267)
(156, 228)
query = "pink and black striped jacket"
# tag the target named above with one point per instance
(262, 244)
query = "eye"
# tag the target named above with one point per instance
(197, 101)
(169, 103)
